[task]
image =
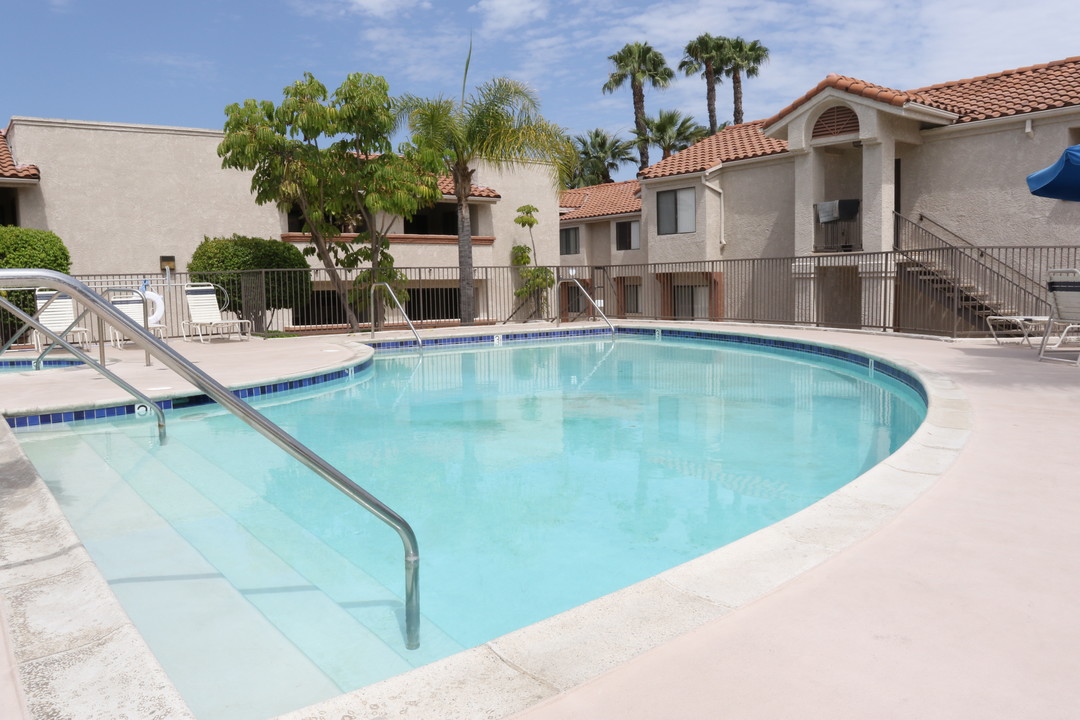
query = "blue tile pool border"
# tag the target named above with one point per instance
(873, 365)
(29, 364)
(847, 356)
(251, 391)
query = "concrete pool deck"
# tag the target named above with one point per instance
(940, 584)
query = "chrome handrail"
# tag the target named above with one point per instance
(593, 302)
(58, 339)
(218, 392)
(396, 302)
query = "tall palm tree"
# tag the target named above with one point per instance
(500, 124)
(672, 131)
(702, 55)
(600, 153)
(639, 63)
(737, 57)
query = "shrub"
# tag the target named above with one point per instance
(230, 261)
(28, 248)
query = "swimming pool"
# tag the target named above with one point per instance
(537, 430)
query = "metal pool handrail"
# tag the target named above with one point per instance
(218, 392)
(593, 302)
(396, 302)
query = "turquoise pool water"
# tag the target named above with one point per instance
(536, 477)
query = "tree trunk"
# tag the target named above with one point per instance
(639, 123)
(710, 96)
(466, 291)
(340, 288)
(378, 315)
(736, 86)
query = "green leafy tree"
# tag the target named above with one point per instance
(738, 56)
(672, 131)
(348, 182)
(534, 280)
(703, 55)
(500, 123)
(600, 153)
(639, 63)
(28, 248)
(257, 274)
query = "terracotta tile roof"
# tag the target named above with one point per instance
(600, 200)
(446, 187)
(1010, 92)
(574, 198)
(737, 142)
(8, 168)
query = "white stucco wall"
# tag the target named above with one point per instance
(972, 179)
(701, 244)
(758, 208)
(120, 196)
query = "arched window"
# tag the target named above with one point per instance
(838, 120)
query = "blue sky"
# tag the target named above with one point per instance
(170, 63)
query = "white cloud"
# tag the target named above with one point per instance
(500, 16)
(383, 9)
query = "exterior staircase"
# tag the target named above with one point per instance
(965, 278)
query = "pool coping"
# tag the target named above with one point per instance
(518, 670)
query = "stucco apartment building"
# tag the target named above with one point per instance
(131, 198)
(826, 173)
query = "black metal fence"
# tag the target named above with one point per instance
(942, 290)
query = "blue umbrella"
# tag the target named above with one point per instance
(1061, 180)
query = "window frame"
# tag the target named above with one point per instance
(633, 242)
(689, 217)
(564, 244)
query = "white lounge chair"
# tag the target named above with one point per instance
(59, 317)
(1064, 285)
(1028, 325)
(206, 317)
(134, 306)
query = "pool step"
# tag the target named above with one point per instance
(193, 560)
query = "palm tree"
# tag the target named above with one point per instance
(702, 55)
(671, 131)
(738, 56)
(499, 124)
(639, 63)
(600, 153)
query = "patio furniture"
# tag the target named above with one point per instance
(133, 304)
(1064, 286)
(206, 317)
(1027, 325)
(58, 316)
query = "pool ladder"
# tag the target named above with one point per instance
(219, 393)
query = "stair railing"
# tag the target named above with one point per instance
(400, 308)
(975, 270)
(219, 393)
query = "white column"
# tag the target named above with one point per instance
(878, 159)
(809, 188)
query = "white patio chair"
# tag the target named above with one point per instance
(205, 315)
(1026, 325)
(134, 306)
(58, 317)
(1064, 286)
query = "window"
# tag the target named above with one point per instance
(675, 211)
(632, 298)
(569, 241)
(439, 219)
(627, 235)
